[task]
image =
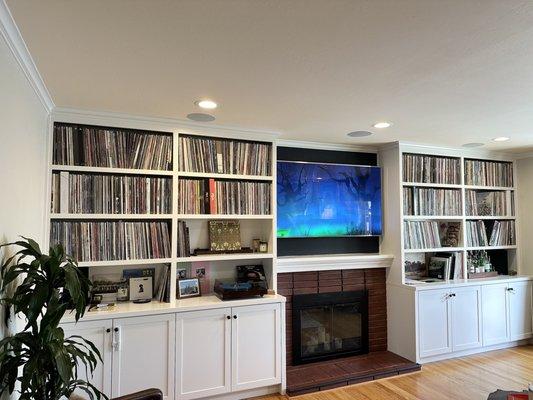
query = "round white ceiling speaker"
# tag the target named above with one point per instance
(200, 117)
(357, 134)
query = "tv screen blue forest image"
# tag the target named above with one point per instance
(327, 200)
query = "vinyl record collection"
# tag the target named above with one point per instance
(210, 196)
(422, 201)
(488, 173)
(184, 241)
(483, 203)
(431, 169)
(110, 194)
(502, 234)
(421, 234)
(111, 147)
(201, 154)
(162, 291)
(119, 240)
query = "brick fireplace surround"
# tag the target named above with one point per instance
(378, 363)
(373, 280)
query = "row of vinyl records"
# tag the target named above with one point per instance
(111, 147)
(162, 287)
(201, 154)
(421, 234)
(118, 240)
(501, 234)
(488, 173)
(110, 194)
(428, 201)
(184, 241)
(487, 203)
(210, 196)
(431, 169)
(442, 265)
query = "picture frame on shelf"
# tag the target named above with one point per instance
(188, 288)
(263, 247)
(181, 273)
(141, 289)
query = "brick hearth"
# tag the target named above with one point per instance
(373, 280)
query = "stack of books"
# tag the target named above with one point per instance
(111, 147)
(431, 169)
(488, 173)
(110, 194)
(213, 155)
(210, 196)
(421, 234)
(118, 240)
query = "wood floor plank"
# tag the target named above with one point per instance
(466, 378)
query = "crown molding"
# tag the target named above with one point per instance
(326, 146)
(107, 118)
(13, 38)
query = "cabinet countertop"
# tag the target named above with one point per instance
(415, 285)
(208, 302)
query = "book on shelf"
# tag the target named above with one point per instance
(184, 242)
(431, 169)
(502, 233)
(94, 146)
(211, 196)
(78, 193)
(117, 240)
(446, 266)
(162, 291)
(488, 173)
(224, 156)
(431, 202)
(487, 203)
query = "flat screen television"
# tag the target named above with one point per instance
(328, 200)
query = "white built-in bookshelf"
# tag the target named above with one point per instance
(444, 202)
(117, 210)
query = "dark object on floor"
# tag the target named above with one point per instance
(503, 394)
(148, 394)
(326, 375)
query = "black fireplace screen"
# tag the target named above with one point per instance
(329, 325)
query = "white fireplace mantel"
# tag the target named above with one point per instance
(330, 262)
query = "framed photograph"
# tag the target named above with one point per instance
(141, 288)
(181, 273)
(188, 288)
(263, 247)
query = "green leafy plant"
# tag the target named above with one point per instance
(40, 358)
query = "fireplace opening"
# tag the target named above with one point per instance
(329, 325)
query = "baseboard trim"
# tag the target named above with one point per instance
(246, 394)
(470, 352)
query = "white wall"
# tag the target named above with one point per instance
(525, 212)
(23, 141)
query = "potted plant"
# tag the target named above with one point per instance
(40, 358)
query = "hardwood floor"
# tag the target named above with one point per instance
(467, 378)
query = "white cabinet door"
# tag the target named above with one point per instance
(434, 335)
(494, 309)
(203, 353)
(256, 346)
(99, 333)
(466, 317)
(143, 356)
(520, 310)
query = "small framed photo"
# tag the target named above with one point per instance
(181, 273)
(188, 288)
(141, 288)
(263, 247)
(255, 245)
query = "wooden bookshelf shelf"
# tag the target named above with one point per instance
(223, 216)
(434, 250)
(226, 257)
(433, 185)
(224, 176)
(432, 217)
(498, 188)
(489, 217)
(112, 216)
(108, 170)
(509, 247)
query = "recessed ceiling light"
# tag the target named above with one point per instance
(207, 104)
(381, 125)
(473, 144)
(501, 139)
(359, 134)
(200, 117)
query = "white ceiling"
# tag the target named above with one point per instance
(444, 72)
